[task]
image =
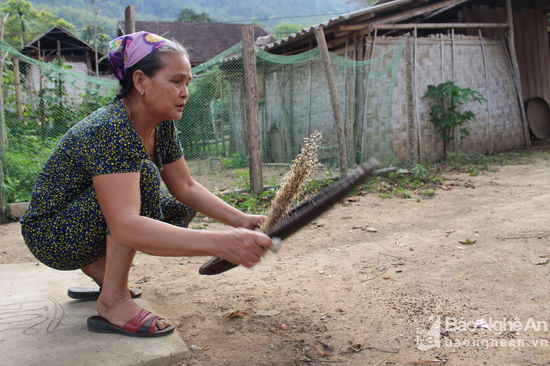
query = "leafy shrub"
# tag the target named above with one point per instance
(445, 114)
(24, 160)
(237, 160)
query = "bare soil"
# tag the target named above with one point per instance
(367, 280)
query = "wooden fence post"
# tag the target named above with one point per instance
(340, 129)
(129, 19)
(3, 136)
(249, 60)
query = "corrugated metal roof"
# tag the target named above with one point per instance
(340, 19)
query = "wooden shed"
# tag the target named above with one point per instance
(58, 42)
(498, 47)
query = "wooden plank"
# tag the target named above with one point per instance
(543, 61)
(471, 41)
(515, 67)
(352, 27)
(545, 56)
(439, 25)
(521, 50)
(533, 55)
(249, 57)
(336, 43)
(529, 56)
(339, 124)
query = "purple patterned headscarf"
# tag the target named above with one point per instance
(127, 50)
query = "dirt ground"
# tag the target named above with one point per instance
(376, 282)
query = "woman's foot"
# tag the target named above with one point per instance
(118, 309)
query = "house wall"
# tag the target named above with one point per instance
(381, 101)
(73, 86)
(531, 43)
(497, 126)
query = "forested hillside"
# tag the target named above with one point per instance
(267, 13)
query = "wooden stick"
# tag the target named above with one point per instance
(339, 124)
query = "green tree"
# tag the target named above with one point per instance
(25, 22)
(285, 29)
(189, 15)
(102, 37)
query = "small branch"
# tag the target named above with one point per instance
(381, 350)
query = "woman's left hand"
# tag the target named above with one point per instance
(252, 221)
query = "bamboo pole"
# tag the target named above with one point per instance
(340, 128)
(249, 58)
(455, 137)
(489, 119)
(359, 51)
(310, 77)
(412, 137)
(364, 134)
(415, 100)
(17, 81)
(3, 136)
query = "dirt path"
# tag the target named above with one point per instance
(340, 294)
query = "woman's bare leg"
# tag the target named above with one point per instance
(96, 271)
(115, 303)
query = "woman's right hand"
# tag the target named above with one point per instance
(243, 246)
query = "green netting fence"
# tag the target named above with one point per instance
(293, 100)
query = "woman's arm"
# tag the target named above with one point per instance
(119, 199)
(181, 185)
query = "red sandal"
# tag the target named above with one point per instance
(142, 325)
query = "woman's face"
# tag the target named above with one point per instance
(166, 93)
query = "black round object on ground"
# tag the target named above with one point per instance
(538, 116)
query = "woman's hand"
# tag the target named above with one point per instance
(251, 222)
(243, 246)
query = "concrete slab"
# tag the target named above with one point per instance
(40, 325)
